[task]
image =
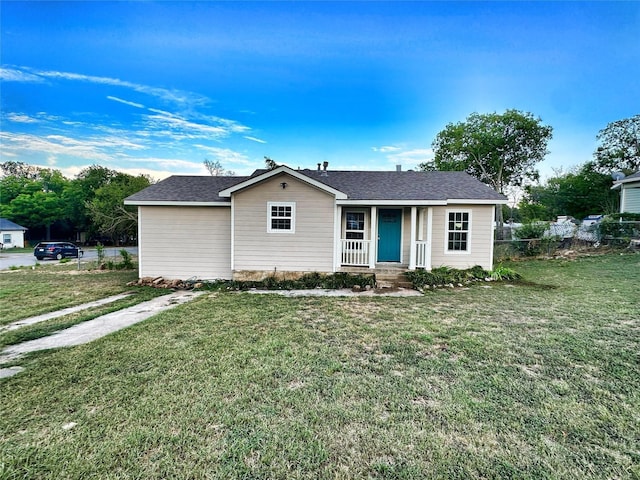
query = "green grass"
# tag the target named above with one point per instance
(531, 380)
(47, 327)
(26, 292)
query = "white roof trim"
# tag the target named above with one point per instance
(629, 179)
(407, 203)
(171, 203)
(276, 171)
(471, 201)
(418, 203)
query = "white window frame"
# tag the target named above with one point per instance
(364, 228)
(292, 217)
(6, 238)
(447, 231)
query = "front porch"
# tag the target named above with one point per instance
(378, 238)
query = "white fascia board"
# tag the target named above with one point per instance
(282, 169)
(469, 201)
(626, 180)
(616, 186)
(164, 203)
(402, 203)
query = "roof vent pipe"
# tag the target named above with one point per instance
(318, 167)
(398, 168)
(325, 164)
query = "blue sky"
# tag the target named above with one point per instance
(158, 87)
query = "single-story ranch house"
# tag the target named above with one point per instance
(298, 221)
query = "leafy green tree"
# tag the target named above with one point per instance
(619, 148)
(579, 193)
(499, 149)
(108, 213)
(81, 191)
(37, 209)
(32, 196)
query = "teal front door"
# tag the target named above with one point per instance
(389, 234)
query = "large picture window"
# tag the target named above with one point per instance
(458, 231)
(281, 217)
(354, 226)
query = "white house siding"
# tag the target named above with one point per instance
(310, 248)
(15, 237)
(481, 252)
(183, 242)
(630, 199)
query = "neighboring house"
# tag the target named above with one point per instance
(629, 193)
(11, 234)
(286, 220)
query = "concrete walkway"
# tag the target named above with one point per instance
(92, 329)
(60, 313)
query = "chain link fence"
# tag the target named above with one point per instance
(547, 238)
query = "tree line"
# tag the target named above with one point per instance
(87, 208)
(502, 150)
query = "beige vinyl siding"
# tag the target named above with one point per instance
(185, 242)
(481, 238)
(310, 248)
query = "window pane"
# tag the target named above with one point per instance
(280, 224)
(355, 235)
(355, 220)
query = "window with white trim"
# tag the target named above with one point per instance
(458, 231)
(281, 217)
(354, 228)
(6, 238)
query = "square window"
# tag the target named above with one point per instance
(281, 217)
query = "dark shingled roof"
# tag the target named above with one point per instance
(357, 185)
(180, 188)
(406, 185)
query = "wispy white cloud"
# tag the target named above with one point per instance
(20, 118)
(17, 75)
(254, 139)
(226, 156)
(25, 74)
(410, 157)
(386, 149)
(126, 102)
(96, 149)
(174, 125)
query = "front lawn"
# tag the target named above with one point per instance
(539, 379)
(26, 292)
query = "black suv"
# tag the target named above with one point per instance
(58, 250)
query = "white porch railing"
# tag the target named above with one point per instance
(355, 252)
(421, 254)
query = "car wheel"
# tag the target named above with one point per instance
(59, 256)
(39, 258)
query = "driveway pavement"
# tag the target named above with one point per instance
(98, 327)
(10, 259)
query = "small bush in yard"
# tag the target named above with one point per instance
(446, 276)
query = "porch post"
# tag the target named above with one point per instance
(373, 237)
(429, 239)
(412, 242)
(337, 234)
